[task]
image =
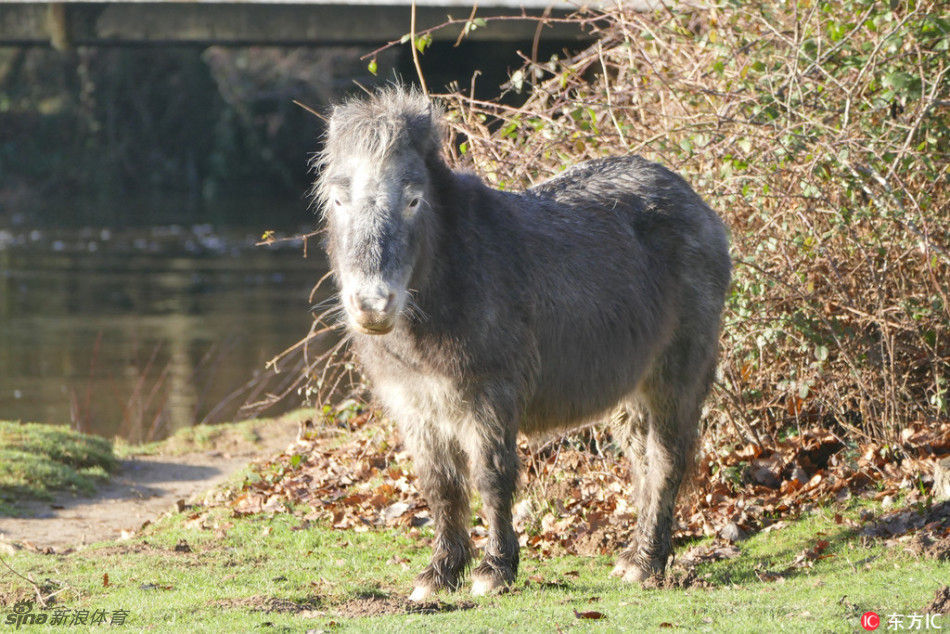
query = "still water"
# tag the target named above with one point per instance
(137, 332)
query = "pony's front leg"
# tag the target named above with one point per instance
(495, 461)
(442, 472)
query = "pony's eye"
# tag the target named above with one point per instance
(414, 203)
(336, 201)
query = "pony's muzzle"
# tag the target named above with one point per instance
(372, 312)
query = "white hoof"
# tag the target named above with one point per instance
(420, 593)
(630, 572)
(636, 575)
(480, 588)
(484, 587)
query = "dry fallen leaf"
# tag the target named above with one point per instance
(396, 560)
(577, 500)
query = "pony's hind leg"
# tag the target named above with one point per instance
(666, 457)
(629, 427)
(661, 449)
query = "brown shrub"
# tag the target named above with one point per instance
(822, 135)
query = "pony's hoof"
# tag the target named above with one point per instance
(619, 570)
(630, 572)
(485, 586)
(488, 580)
(421, 593)
(636, 575)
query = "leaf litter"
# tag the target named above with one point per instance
(351, 471)
(941, 602)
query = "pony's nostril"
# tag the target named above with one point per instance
(390, 302)
(373, 311)
(371, 304)
(353, 302)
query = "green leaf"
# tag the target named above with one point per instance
(803, 391)
(837, 32)
(423, 42)
(509, 130)
(897, 81)
(517, 80)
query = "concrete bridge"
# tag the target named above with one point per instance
(69, 23)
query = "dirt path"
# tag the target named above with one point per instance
(143, 488)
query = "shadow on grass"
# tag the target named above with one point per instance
(766, 558)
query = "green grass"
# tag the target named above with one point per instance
(213, 572)
(272, 573)
(37, 459)
(239, 435)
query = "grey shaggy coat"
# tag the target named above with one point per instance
(479, 313)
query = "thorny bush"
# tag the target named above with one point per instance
(821, 133)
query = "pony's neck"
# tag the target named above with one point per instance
(433, 268)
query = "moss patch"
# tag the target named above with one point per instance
(36, 459)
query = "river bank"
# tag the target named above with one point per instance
(147, 481)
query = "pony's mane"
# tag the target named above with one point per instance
(373, 128)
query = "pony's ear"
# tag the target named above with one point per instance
(335, 122)
(437, 131)
(425, 129)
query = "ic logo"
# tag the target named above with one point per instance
(870, 621)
